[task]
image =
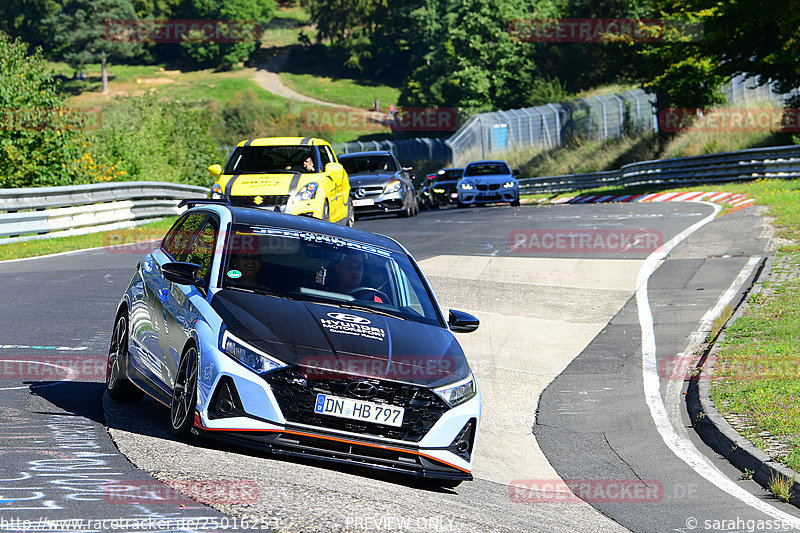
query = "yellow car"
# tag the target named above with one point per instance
(295, 175)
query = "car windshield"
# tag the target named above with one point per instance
(450, 174)
(371, 163)
(316, 267)
(483, 169)
(271, 159)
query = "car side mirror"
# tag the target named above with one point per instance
(334, 168)
(462, 322)
(516, 172)
(181, 273)
(215, 171)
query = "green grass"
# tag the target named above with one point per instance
(344, 91)
(18, 250)
(284, 29)
(757, 372)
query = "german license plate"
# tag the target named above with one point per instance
(363, 202)
(377, 413)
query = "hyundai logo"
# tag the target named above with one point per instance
(362, 389)
(360, 192)
(349, 318)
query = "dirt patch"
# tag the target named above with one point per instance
(154, 81)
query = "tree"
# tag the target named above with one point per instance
(477, 63)
(40, 140)
(82, 33)
(249, 16)
(23, 19)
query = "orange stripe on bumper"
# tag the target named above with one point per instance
(198, 423)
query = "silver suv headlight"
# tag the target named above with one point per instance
(458, 392)
(247, 354)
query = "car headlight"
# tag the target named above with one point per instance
(438, 190)
(467, 186)
(217, 192)
(509, 184)
(459, 392)
(247, 354)
(307, 191)
(393, 186)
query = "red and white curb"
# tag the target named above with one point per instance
(736, 201)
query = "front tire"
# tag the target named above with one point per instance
(118, 386)
(351, 215)
(184, 395)
(326, 212)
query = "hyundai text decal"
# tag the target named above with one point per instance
(348, 324)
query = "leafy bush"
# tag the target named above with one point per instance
(41, 142)
(152, 139)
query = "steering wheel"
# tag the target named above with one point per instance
(369, 290)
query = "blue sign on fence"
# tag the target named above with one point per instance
(499, 137)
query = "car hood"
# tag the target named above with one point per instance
(489, 178)
(328, 340)
(365, 179)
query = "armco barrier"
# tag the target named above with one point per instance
(43, 212)
(773, 162)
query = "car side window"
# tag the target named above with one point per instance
(177, 240)
(326, 156)
(201, 251)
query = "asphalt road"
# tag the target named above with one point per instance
(545, 313)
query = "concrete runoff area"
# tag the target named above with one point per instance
(524, 342)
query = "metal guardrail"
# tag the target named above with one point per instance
(44, 212)
(773, 162)
(406, 150)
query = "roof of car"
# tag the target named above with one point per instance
(284, 141)
(376, 152)
(263, 217)
(486, 161)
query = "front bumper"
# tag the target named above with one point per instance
(274, 415)
(475, 196)
(373, 203)
(449, 196)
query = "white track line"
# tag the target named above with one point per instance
(683, 447)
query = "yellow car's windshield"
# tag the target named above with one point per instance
(273, 159)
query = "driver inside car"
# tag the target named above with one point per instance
(348, 273)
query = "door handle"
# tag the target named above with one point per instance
(163, 294)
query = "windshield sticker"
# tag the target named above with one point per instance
(234, 274)
(351, 328)
(319, 238)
